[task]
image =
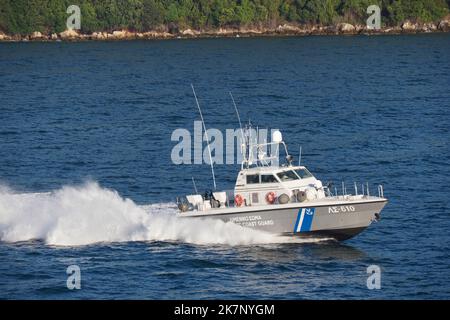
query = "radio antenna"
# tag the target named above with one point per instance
(300, 156)
(240, 125)
(237, 112)
(195, 187)
(206, 136)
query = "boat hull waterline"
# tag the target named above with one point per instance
(339, 220)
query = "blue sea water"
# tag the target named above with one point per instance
(85, 126)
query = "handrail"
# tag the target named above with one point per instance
(380, 191)
(364, 190)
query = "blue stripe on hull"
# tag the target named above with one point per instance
(298, 220)
(307, 220)
(304, 219)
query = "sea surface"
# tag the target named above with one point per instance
(87, 178)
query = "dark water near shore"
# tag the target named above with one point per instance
(363, 108)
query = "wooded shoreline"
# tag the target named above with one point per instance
(282, 30)
(55, 20)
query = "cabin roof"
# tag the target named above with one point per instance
(262, 170)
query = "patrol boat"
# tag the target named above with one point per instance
(285, 199)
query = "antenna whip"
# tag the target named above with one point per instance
(206, 135)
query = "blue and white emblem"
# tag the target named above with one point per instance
(304, 219)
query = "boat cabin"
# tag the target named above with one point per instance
(269, 185)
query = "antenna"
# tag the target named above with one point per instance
(300, 156)
(240, 123)
(237, 113)
(195, 187)
(250, 153)
(206, 135)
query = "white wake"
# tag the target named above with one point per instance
(86, 214)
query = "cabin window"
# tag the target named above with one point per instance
(287, 176)
(268, 178)
(252, 178)
(303, 173)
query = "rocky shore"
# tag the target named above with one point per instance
(406, 27)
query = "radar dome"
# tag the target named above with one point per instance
(277, 136)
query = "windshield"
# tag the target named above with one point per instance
(268, 178)
(287, 176)
(252, 178)
(303, 173)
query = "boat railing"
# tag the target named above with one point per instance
(203, 203)
(380, 191)
(364, 191)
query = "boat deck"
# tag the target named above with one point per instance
(327, 201)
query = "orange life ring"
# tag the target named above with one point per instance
(238, 200)
(270, 197)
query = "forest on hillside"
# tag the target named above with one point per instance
(48, 16)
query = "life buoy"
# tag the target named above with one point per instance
(238, 200)
(270, 197)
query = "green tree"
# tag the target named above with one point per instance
(89, 20)
(395, 12)
(354, 11)
(261, 13)
(245, 12)
(172, 13)
(153, 14)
